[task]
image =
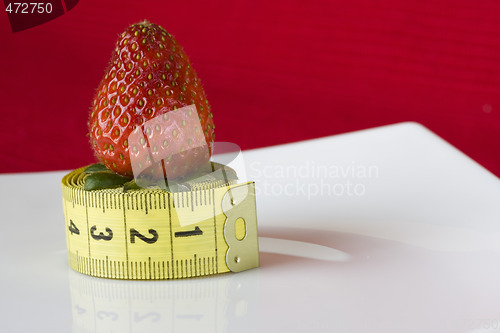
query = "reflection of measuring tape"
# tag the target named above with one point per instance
(226, 303)
(137, 234)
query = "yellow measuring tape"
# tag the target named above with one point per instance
(138, 234)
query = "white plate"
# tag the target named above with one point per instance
(384, 230)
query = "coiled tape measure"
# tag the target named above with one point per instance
(138, 234)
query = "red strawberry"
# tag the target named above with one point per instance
(149, 75)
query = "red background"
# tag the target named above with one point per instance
(274, 71)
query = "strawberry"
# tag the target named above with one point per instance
(149, 75)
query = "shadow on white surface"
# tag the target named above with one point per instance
(301, 249)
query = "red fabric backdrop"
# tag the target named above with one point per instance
(274, 71)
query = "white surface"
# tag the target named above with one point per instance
(411, 245)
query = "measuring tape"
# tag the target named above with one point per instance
(138, 234)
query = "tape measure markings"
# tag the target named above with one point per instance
(171, 238)
(192, 249)
(87, 221)
(125, 233)
(215, 232)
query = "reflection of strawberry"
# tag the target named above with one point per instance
(149, 75)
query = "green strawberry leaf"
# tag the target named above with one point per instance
(103, 180)
(130, 185)
(98, 167)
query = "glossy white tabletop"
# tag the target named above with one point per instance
(385, 230)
